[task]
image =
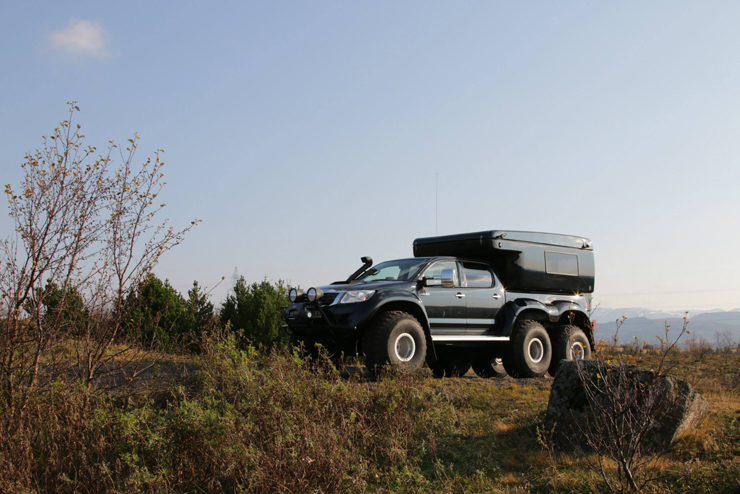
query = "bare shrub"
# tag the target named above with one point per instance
(85, 224)
(625, 406)
(697, 348)
(725, 341)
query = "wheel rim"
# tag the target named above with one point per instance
(577, 352)
(405, 347)
(536, 350)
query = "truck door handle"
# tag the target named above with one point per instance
(496, 296)
(460, 295)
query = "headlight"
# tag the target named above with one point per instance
(356, 296)
(294, 293)
(314, 294)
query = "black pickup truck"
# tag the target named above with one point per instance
(502, 301)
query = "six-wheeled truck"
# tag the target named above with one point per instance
(503, 302)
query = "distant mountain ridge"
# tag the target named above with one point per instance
(613, 314)
(715, 326)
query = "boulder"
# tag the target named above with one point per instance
(607, 401)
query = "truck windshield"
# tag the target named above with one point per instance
(400, 270)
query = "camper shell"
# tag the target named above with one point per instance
(525, 262)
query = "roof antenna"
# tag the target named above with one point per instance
(436, 204)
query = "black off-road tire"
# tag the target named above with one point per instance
(450, 363)
(395, 338)
(489, 367)
(530, 350)
(569, 342)
(437, 368)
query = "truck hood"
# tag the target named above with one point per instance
(373, 285)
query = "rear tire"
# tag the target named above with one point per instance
(394, 338)
(530, 350)
(569, 342)
(451, 363)
(489, 367)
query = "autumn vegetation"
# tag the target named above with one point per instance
(113, 381)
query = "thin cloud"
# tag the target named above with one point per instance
(81, 38)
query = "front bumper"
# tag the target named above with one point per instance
(331, 323)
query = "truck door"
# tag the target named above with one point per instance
(485, 297)
(445, 306)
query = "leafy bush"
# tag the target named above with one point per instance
(63, 308)
(198, 319)
(155, 312)
(254, 312)
(160, 317)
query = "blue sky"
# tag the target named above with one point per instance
(308, 134)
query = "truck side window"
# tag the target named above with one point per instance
(435, 271)
(478, 275)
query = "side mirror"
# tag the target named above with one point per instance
(448, 275)
(446, 280)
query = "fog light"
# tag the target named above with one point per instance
(307, 314)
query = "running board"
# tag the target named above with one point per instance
(464, 337)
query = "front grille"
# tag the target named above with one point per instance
(328, 298)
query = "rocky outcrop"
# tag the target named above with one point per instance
(593, 402)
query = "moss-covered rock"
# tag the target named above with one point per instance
(594, 402)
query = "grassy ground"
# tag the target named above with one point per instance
(237, 421)
(497, 448)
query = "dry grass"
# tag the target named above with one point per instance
(243, 422)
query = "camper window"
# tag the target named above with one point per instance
(561, 263)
